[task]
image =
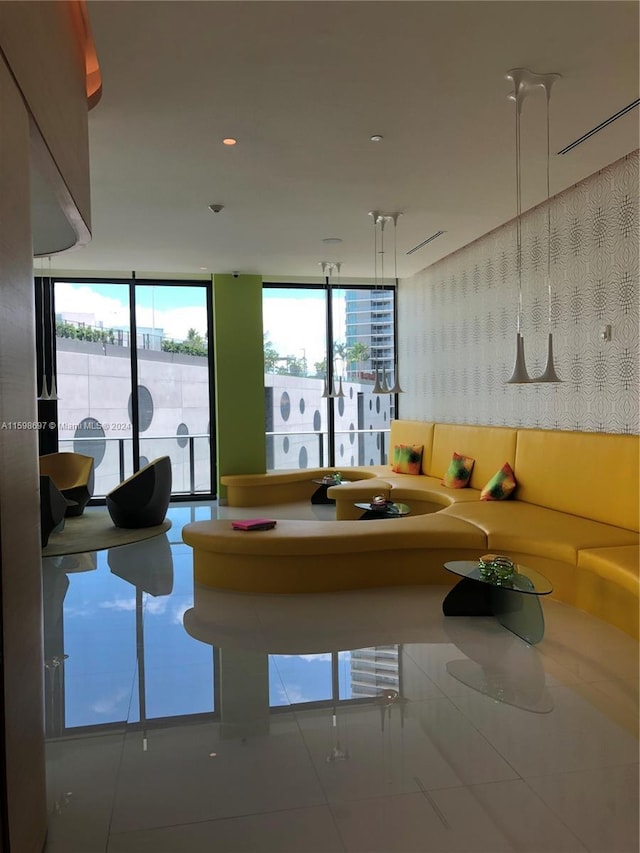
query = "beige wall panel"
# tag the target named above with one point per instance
(44, 54)
(19, 506)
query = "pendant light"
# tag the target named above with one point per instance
(519, 375)
(44, 389)
(48, 392)
(395, 388)
(381, 384)
(549, 375)
(329, 389)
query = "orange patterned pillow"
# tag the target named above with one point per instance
(500, 485)
(459, 472)
(407, 459)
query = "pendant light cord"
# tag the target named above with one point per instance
(518, 209)
(548, 94)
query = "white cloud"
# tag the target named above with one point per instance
(112, 312)
(119, 604)
(309, 658)
(109, 703)
(179, 612)
(155, 606)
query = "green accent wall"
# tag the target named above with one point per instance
(239, 375)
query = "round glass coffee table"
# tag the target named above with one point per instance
(514, 602)
(320, 495)
(390, 510)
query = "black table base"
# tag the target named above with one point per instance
(521, 613)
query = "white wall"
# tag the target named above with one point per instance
(458, 317)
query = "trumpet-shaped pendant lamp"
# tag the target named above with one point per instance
(381, 384)
(549, 374)
(47, 392)
(519, 375)
(377, 387)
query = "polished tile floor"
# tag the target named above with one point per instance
(184, 720)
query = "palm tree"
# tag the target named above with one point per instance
(358, 353)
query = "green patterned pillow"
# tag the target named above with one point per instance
(500, 485)
(407, 459)
(459, 472)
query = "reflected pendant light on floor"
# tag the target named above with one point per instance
(519, 375)
(549, 374)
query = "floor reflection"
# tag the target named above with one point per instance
(182, 718)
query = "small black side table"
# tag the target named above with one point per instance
(320, 494)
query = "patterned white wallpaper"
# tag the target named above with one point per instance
(457, 318)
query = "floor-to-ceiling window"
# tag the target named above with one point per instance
(329, 374)
(133, 378)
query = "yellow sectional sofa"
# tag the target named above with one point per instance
(574, 517)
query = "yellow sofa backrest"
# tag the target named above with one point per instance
(590, 474)
(412, 432)
(490, 446)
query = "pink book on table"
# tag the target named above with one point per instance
(254, 524)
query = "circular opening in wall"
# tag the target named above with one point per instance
(352, 435)
(285, 406)
(384, 416)
(317, 421)
(302, 405)
(371, 462)
(302, 458)
(351, 393)
(182, 435)
(143, 461)
(353, 461)
(378, 441)
(90, 428)
(370, 405)
(285, 444)
(341, 451)
(145, 408)
(378, 405)
(341, 406)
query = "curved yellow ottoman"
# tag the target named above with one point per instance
(325, 556)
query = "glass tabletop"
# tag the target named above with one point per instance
(524, 579)
(389, 508)
(330, 482)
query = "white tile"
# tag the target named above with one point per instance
(575, 735)
(176, 780)
(81, 778)
(592, 649)
(431, 746)
(599, 806)
(310, 830)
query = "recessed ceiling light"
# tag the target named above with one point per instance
(229, 141)
(376, 137)
(204, 268)
(332, 241)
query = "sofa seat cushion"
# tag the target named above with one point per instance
(620, 564)
(407, 488)
(515, 526)
(327, 537)
(361, 490)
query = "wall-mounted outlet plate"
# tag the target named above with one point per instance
(605, 333)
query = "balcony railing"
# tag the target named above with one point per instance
(190, 464)
(309, 449)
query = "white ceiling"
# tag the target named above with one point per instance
(303, 86)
